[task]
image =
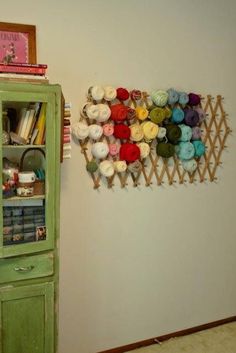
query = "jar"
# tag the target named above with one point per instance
(25, 186)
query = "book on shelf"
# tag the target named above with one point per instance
(22, 69)
(17, 77)
(40, 125)
(27, 65)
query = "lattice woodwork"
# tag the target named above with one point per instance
(158, 170)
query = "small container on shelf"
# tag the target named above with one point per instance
(25, 186)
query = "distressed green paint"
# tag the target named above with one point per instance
(29, 299)
(26, 267)
(27, 319)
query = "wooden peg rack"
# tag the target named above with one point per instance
(157, 170)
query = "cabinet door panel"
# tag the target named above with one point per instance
(23, 232)
(27, 319)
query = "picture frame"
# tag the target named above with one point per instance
(17, 43)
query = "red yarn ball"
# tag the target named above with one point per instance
(122, 94)
(129, 152)
(118, 112)
(122, 132)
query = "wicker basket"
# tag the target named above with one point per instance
(39, 185)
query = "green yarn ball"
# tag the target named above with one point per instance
(165, 150)
(92, 167)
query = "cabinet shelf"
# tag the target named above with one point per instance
(22, 146)
(18, 198)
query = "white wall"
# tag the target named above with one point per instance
(139, 263)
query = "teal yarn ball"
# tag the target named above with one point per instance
(183, 98)
(185, 150)
(190, 166)
(186, 133)
(177, 115)
(199, 148)
(165, 150)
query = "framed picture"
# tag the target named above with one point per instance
(17, 43)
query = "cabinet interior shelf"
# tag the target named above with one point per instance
(18, 198)
(22, 146)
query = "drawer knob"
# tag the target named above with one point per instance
(24, 269)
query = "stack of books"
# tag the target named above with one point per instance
(22, 72)
(67, 131)
(31, 125)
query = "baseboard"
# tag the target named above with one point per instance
(148, 342)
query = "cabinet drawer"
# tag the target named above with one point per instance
(16, 269)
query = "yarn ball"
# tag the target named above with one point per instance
(185, 150)
(108, 129)
(168, 112)
(144, 149)
(96, 93)
(150, 130)
(92, 166)
(135, 167)
(104, 112)
(136, 132)
(109, 93)
(118, 112)
(165, 150)
(190, 166)
(173, 133)
(199, 148)
(120, 166)
(159, 97)
(100, 150)
(131, 113)
(92, 111)
(80, 130)
(201, 114)
(177, 115)
(122, 131)
(157, 115)
(122, 94)
(183, 98)
(173, 96)
(193, 99)
(186, 133)
(129, 152)
(161, 132)
(141, 113)
(106, 168)
(113, 149)
(135, 94)
(191, 117)
(196, 133)
(95, 131)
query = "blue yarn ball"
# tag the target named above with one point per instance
(190, 166)
(185, 150)
(177, 115)
(183, 98)
(199, 148)
(173, 96)
(186, 133)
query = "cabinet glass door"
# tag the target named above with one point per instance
(28, 165)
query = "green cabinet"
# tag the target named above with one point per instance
(29, 216)
(27, 319)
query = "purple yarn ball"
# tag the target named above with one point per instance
(191, 117)
(196, 133)
(194, 99)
